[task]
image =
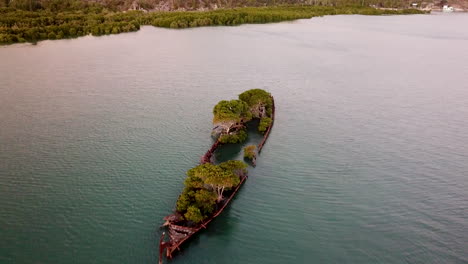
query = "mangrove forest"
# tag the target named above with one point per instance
(61, 21)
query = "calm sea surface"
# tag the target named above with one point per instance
(367, 161)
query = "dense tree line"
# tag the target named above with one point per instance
(26, 26)
(18, 25)
(184, 5)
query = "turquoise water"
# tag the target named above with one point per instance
(367, 161)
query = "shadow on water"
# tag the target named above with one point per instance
(235, 151)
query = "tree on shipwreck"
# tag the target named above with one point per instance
(259, 101)
(250, 152)
(219, 177)
(205, 186)
(229, 116)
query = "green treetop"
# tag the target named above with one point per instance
(204, 187)
(235, 166)
(193, 214)
(249, 152)
(233, 110)
(217, 177)
(198, 203)
(229, 116)
(193, 181)
(202, 171)
(205, 200)
(259, 101)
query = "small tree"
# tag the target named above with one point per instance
(264, 124)
(229, 115)
(205, 200)
(219, 177)
(233, 138)
(184, 201)
(259, 101)
(193, 214)
(219, 182)
(204, 187)
(203, 171)
(193, 181)
(51, 35)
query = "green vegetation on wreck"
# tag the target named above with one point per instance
(260, 105)
(265, 122)
(234, 111)
(186, 5)
(229, 117)
(259, 101)
(234, 137)
(250, 152)
(207, 183)
(73, 18)
(205, 187)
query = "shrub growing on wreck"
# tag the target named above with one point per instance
(264, 124)
(235, 166)
(229, 116)
(249, 152)
(205, 186)
(80, 18)
(205, 200)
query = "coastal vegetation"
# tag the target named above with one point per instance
(71, 19)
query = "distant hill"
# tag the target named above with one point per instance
(187, 5)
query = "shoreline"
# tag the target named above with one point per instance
(428, 10)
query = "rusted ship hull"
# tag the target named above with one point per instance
(179, 234)
(267, 132)
(207, 157)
